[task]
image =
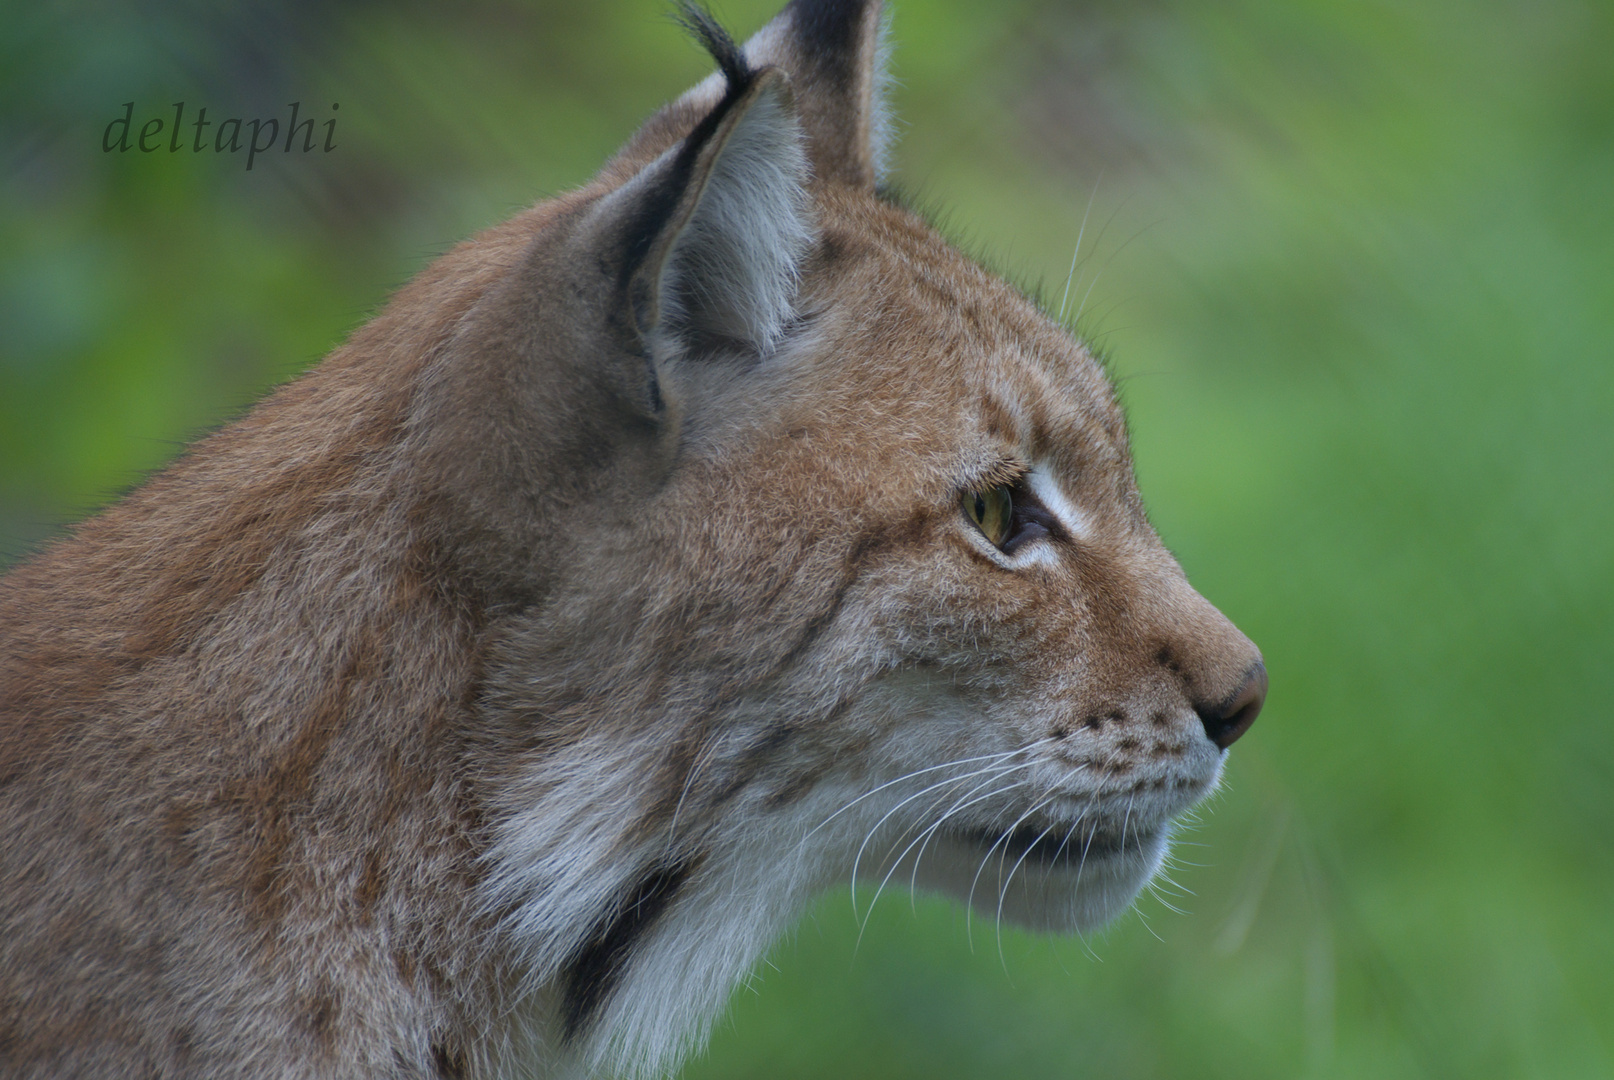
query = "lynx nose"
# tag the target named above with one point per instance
(1231, 717)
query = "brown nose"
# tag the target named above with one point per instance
(1226, 720)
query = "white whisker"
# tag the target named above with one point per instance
(1003, 889)
(858, 858)
(944, 796)
(931, 829)
(928, 830)
(930, 833)
(1110, 257)
(969, 901)
(1090, 196)
(904, 777)
(1081, 863)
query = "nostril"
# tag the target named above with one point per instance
(1228, 719)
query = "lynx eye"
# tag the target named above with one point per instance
(992, 511)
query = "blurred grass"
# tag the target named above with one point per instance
(1355, 272)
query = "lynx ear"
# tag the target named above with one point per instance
(834, 52)
(712, 232)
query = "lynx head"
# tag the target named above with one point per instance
(820, 555)
(683, 546)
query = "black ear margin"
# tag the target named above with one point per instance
(834, 53)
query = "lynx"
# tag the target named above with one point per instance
(489, 698)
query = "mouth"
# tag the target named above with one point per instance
(1065, 845)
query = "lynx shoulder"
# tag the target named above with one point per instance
(490, 697)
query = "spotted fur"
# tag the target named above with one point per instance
(488, 699)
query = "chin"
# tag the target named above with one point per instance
(1045, 881)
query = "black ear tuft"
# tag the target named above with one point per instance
(705, 28)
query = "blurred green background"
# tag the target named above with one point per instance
(1354, 264)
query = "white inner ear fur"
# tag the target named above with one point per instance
(733, 269)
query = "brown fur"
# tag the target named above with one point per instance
(266, 722)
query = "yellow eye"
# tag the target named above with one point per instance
(991, 511)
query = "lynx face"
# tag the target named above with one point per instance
(505, 686)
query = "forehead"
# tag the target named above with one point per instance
(913, 327)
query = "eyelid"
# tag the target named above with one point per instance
(1008, 472)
